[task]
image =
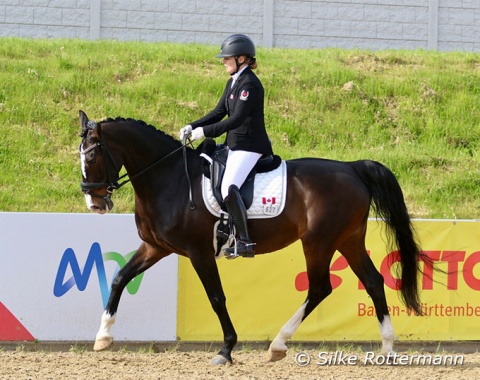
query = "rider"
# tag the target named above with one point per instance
(242, 101)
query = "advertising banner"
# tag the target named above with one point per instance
(264, 292)
(56, 276)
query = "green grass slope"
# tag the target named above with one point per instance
(417, 112)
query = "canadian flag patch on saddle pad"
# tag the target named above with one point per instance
(269, 194)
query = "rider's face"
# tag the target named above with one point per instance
(230, 64)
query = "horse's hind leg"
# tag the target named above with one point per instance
(318, 272)
(373, 282)
(143, 259)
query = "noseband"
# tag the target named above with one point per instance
(109, 183)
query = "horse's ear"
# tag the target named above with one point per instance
(83, 121)
(86, 124)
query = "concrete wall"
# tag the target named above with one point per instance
(444, 25)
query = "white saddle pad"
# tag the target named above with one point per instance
(269, 194)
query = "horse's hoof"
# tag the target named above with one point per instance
(274, 356)
(220, 360)
(102, 343)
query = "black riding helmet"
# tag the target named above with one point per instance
(236, 45)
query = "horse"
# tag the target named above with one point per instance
(327, 207)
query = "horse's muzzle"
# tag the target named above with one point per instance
(100, 204)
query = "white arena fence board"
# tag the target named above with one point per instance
(57, 271)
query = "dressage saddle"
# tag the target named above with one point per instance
(215, 158)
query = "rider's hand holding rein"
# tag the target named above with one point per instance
(185, 132)
(197, 134)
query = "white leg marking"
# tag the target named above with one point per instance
(106, 324)
(287, 330)
(387, 334)
(104, 339)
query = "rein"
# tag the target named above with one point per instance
(115, 185)
(184, 146)
(119, 185)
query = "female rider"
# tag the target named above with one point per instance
(243, 102)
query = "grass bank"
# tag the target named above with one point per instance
(417, 112)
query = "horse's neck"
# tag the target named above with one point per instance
(152, 154)
(137, 148)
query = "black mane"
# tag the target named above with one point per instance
(141, 124)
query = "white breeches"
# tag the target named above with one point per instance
(239, 164)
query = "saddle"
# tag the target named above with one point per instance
(213, 167)
(214, 162)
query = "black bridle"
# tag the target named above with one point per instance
(87, 187)
(115, 184)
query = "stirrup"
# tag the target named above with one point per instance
(240, 249)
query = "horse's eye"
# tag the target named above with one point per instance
(90, 157)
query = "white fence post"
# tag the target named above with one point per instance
(432, 42)
(268, 23)
(95, 19)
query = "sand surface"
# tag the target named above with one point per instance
(252, 364)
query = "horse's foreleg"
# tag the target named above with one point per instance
(207, 271)
(143, 259)
(319, 288)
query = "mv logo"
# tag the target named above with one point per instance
(81, 278)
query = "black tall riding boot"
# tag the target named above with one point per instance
(236, 209)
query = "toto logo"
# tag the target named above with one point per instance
(459, 265)
(81, 278)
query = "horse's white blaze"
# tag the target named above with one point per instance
(387, 334)
(107, 322)
(83, 163)
(89, 201)
(288, 329)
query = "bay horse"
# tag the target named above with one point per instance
(327, 208)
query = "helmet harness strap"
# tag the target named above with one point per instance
(238, 64)
(248, 60)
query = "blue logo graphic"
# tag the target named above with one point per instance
(81, 278)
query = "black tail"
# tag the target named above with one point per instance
(389, 205)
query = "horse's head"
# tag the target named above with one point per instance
(99, 171)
